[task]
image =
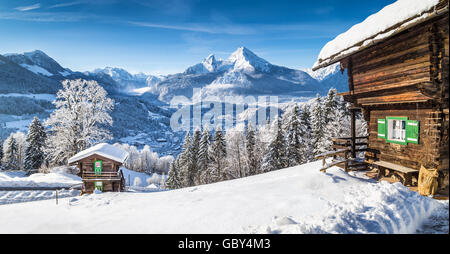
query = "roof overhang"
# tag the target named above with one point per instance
(380, 37)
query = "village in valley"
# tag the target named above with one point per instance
(358, 144)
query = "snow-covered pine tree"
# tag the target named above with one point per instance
(1, 154)
(338, 124)
(331, 104)
(293, 139)
(318, 126)
(34, 153)
(82, 108)
(218, 155)
(250, 149)
(184, 161)
(275, 157)
(195, 149)
(203, 158)
(173, 179)
(11, 154)
(306, 134)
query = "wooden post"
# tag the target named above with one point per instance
(56, 196)
(353, 133)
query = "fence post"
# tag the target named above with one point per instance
(56, 196)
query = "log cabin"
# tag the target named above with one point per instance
(397, 66)
(99, 168)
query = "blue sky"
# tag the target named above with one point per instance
(166, 36)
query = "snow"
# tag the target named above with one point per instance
(244, 59)
(294, 200)
(375, 28)
(57, 178)
(102, 149)
(323, 73)
(37, 69)
(41, 96)
(10, 197)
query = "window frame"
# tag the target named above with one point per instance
(387, 130)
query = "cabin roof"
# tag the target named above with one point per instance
(102, 149)
(389, 21)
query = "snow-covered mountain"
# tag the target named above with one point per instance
(39, 63)
(243, 73)
(128, 81)
(29, 82)
(330, 76)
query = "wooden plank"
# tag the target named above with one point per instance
(395, 167)
(331, 153)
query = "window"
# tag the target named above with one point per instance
(397, 130)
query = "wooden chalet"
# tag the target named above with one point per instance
(100, 168)
(398, 78)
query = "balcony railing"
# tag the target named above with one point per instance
(91, 175)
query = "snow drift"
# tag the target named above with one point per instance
(293, 200)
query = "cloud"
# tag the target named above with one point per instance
(28, 8)
(65, 4)
(212, 29)
(42, 16)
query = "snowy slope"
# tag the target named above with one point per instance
(58, 178)
(128, 81)
(293, 200)
(330, 76)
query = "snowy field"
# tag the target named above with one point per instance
(293, 200)
(57, 178)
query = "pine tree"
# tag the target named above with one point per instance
(330, 105)
(306, 134)
(218, 155)
(293, 139)
(204, 158)
(250, 146)
(34, 153)
(194, 152)
(1, 153)
(276, 157)
(173, 179)
(11, 154)
(184, 161)
(318, 126)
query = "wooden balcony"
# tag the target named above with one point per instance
(102, 176)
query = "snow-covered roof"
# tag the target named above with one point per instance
(389, 21)
(102, 149)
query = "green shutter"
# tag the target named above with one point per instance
(412, 131)
(382, 128)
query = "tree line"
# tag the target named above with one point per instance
(299, 134)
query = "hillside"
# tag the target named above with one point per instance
(292, 200)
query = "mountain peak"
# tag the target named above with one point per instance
(244, 58)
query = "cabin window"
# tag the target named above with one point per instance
(398, 130)
(98, 186)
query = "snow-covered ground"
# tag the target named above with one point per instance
(293, 200)
(57, 178)
(10, 197)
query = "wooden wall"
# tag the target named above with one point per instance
(87, 164)
(410, 155)
(407, 76)
(405, 68)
